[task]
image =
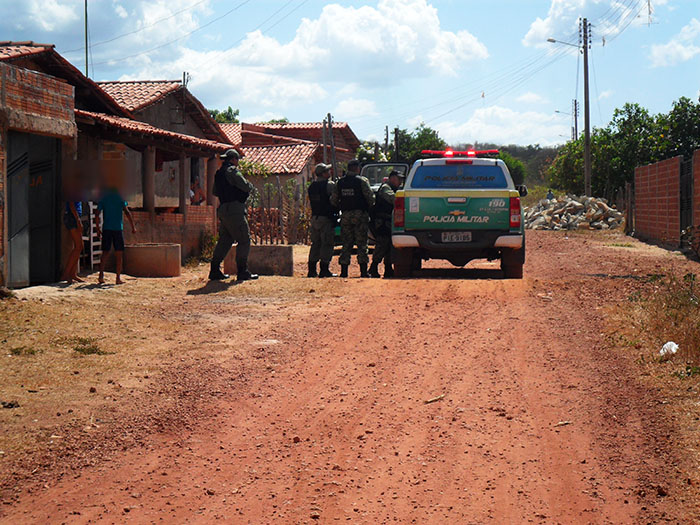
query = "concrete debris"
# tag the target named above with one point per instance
(571, 213)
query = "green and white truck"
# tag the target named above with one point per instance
(459, 206)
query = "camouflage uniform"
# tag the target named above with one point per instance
(382, 226)
(354, 223)
(322, 234)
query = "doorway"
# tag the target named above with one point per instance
(33, 214)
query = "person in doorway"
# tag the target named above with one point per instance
(113, 207)
(233, 190)
(71, 220)
(323, 219)
(353, 195)
(197, 196)
(381, 225)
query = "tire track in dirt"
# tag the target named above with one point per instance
(341, 431)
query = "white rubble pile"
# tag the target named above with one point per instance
(571, 212)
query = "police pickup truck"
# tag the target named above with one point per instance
(459, 206)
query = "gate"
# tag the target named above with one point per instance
(686, 194)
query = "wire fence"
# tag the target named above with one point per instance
(280, 213)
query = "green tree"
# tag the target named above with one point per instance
(227, 116)
(365, 153)
(515, 167)
(283, 120)
(412, 143)
(683, 131)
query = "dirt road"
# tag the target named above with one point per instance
(319, 410)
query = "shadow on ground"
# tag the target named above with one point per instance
(458, 273)
(213, 287)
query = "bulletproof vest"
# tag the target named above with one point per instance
(382, 207)
(350, 192)
(320, 200)
(225, 191)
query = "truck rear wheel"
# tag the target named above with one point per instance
(512, 271)
(403, 262)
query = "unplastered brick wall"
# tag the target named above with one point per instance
(172, 228)
(657, 202)
(36, 94)
(3, 199)
(696, 188)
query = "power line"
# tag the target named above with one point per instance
(143, 28)
(273, 15)
(179, 38)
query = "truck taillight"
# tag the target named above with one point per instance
(399, 212)
(515, 212)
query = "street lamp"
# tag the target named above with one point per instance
(586, 102)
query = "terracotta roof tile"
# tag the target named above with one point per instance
(9, 49)
(143, 128)
(233, 132)
(137, 94)
(300, 125)
(282, 159)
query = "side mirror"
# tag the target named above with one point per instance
(522, 190)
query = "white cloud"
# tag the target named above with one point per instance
(51, 15)
(501, 125)
(119, 9)
(609, 17)
(352, 108)
(365, 45)
(606, 94)
(681, 48)
(531, 98)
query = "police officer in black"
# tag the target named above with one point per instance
(232, 189)
(323, 219)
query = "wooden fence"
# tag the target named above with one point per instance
(280, 213)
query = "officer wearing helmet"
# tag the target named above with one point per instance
(233, 190)
(323, 219)
(354, 196)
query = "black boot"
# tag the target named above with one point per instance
(312, 270)
(343, 270)
(388, 272)
(215, 274)
(325, 271)
(244, 274)
(363, 270)
(374, 270)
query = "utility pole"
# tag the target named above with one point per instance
(396, 144)
(325, 142)
(575, 114)
(86, 40)
(386, 140)
(334, 162)
(586, 28)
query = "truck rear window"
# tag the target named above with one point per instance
(459, 176)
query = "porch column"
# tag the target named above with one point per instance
(212, 166)
(184, 192)
(148, 172)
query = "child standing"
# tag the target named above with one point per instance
(113, 207)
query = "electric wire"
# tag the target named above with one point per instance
(241, 39)
(143, 28)
(199, 28)
(597, 92)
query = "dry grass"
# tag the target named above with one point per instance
(670, 311)
(72, 356)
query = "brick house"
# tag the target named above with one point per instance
(105, 130)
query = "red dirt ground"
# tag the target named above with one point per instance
(324, 419)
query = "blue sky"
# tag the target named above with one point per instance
(474, 70)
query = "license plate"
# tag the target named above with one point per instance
(456, 236)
